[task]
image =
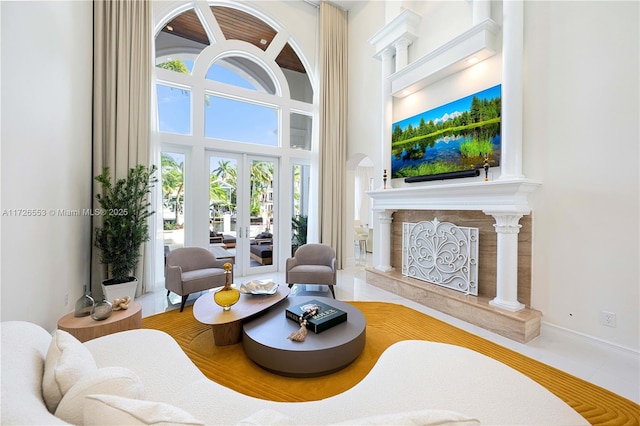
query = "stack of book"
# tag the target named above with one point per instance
(327, 316)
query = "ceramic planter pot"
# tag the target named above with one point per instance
(119, 291)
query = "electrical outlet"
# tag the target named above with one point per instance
(66, 299)
(608, 318)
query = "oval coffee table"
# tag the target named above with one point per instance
(265, 341)
(227, 325)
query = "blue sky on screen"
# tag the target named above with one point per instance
(460, 105)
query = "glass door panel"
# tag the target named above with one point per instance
(262, 226)
(173, 200)
(223, 194)
(300, 207)
(241, 210)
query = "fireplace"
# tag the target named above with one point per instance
(500, 211)
(441, 253)
(487, 246)
(504, 287)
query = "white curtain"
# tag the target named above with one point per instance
(333, 128)
(122, 62)
(155, 247)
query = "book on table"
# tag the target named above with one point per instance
(327, 316)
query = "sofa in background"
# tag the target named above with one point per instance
(261, 248)
(143, 377)
(219, 238)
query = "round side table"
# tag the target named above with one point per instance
(86, 328)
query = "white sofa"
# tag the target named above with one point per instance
(154, 382)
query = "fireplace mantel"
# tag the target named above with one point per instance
(502, 195)
(507, 200)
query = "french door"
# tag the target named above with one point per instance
(243, 209)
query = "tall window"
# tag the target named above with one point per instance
(173, 200)
(246, 93)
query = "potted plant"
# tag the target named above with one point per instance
(299, 232)
(125, 210)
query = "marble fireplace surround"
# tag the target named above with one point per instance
(500, 209)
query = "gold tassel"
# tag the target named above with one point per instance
(299, 335)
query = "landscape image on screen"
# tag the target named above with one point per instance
(450, 138)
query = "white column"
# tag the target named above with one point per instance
(481, 11)
(382, 241)
(387, 111)
(507, 228)
(402, 53)
(512, 53)
(382, 219)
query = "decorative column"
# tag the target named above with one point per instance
(512, 106)
(382, 241)
(387, 108)
(402, 54)
(481, 11)
(393, 39)
(507, 228)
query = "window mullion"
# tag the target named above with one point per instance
(197, 108)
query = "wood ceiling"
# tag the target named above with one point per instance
(235, 25)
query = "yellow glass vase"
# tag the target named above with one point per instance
(227, 296)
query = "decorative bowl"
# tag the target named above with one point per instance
(259, 287)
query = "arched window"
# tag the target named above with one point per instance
(239, 61)
(231, 88)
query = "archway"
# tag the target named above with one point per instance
(359, 213)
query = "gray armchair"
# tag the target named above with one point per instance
(192, 269)
(312, 264)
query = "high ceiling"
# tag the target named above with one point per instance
(235, 25)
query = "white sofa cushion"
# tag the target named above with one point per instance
(109, 380)
(410, 418)
(419, 417)
(67, 361)
(266, 417)
(116, 410)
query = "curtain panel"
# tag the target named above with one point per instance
(122, 62)
(333, 128)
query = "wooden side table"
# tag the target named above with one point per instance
(86, 328)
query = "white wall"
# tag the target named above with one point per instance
(46, 156)
(580, 138)
(365, 91)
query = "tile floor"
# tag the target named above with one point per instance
(611, 368)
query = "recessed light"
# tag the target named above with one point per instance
(472, 60)
(263, 41)
(169, 27)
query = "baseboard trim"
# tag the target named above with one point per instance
(608, 344)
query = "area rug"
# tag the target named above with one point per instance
(387, 323)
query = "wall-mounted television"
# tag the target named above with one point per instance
(450, 139)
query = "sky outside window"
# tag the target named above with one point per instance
(241, 121)
(225, 75)
(224, 118)
(174, 110)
